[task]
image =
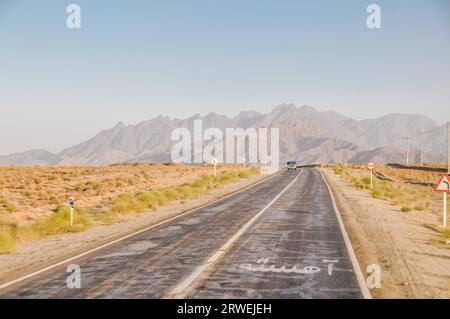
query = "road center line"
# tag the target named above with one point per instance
(181, 289)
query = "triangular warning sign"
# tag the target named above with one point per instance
(443, 185)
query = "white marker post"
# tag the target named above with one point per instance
(72, 206)
(443, 186)
(444, 217)
(371, 167)
(214, 162)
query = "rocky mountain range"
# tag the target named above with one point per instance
(306, 135)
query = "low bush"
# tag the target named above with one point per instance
(8, 206)
(59, 222)
(420, 208)
(155, 198)
(8, 235)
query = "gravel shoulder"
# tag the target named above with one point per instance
(37, 254)
(400, 243)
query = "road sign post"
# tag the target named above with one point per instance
(72, 206)
(443, 186)
(444, 217)
(371, 167)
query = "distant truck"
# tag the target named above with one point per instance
(291, 165)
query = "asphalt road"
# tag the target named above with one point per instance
(278, 239)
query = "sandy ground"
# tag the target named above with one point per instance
(401, 244)
(34, 192)
(34, 255)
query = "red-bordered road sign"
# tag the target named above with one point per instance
(443, 186)
(371, 165)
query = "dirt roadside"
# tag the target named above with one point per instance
(412, 267)
(38, 254)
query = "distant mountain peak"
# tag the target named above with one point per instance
(306, 135)
(285, 107)
(247, 114)
(30, 158)
(307, 108)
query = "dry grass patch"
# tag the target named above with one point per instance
(59, 222)
(153, 199)
(8, 234)
(35, 205)
(32, 192)
(409, 190)
(7, 206)
(406, 196)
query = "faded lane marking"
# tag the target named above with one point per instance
(180, 290)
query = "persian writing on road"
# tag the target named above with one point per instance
(262, 267)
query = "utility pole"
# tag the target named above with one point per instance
(448, 148)
(421, 146)
(407, 150)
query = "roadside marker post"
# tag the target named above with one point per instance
(214, 162)
(444, 217)
(443, 186)
(72, 206)
(371, 167)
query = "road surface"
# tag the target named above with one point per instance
(278, 239)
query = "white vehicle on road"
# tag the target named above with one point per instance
(291, 165)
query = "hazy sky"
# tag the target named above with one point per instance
(133, 60)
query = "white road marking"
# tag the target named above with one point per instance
(15, 281)
(361, 281)
(181, 289)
